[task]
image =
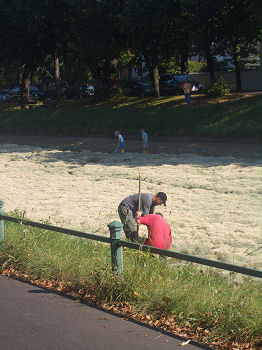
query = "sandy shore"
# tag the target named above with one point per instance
(214, 202)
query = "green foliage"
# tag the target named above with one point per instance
(170, 66)
(190, 296)
(219, 88)
(250, 58)
(197, 67)
(87, 36)
(151, 28)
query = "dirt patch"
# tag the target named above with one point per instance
(243, 148)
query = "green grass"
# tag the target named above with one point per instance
(165, 116)
(182, 293)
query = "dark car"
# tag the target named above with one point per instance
(88, 90)
(171, 84)
(34, 92)
(138, 88)
(196, 86)
(5, 95)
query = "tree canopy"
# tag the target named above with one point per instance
(76, 39)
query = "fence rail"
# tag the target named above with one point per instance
(117, 245)
(56, 229)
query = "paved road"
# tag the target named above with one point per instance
(33, 318)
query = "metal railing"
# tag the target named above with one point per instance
(117, 245)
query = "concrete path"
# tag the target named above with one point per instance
(33, 318)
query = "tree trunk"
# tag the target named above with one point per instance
(27, 83)
(112, 76)
(260, 54)
(44, 87)
(211, 65)
(24, 81)
(152, 66)
(156, 81)
(236, 55)
(184, 62)
(57, 76)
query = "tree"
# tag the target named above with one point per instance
(55, 21)
(206, 21)
(250, 57)
(240, 29)
(151, 27)
(100, 43)
(19, 26)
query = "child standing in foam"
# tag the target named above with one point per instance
(144, 140)
(120, 143)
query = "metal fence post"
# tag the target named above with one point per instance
(115, 229)
(2, 236)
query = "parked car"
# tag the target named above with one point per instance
(15, 90)
(138, 88)
(171, 84)
(4, 96)
(51, 91)
(196, 86)
(34, 92)
(88, 90)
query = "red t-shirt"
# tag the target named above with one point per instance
(159, 232)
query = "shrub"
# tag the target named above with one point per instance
(219, 88)
(107, 94)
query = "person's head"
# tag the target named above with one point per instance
(141, 131)
(160, 198)
(116, 133)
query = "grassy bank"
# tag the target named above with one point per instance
(234, 115)
(182, 298)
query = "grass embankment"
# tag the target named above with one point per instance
(234, 115)
(183, 299)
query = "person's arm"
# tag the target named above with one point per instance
(138, 216)
(142, 219)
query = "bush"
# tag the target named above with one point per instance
(107, 94)
(219, 88)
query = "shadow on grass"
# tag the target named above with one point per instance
(76, 159)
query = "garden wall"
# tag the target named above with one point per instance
(251, 80)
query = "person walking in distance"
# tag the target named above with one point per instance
(187, 86)
(144, 140)
(159, 232)
(129, 206)
(120, 143)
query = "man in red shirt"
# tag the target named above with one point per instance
(159, 232)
